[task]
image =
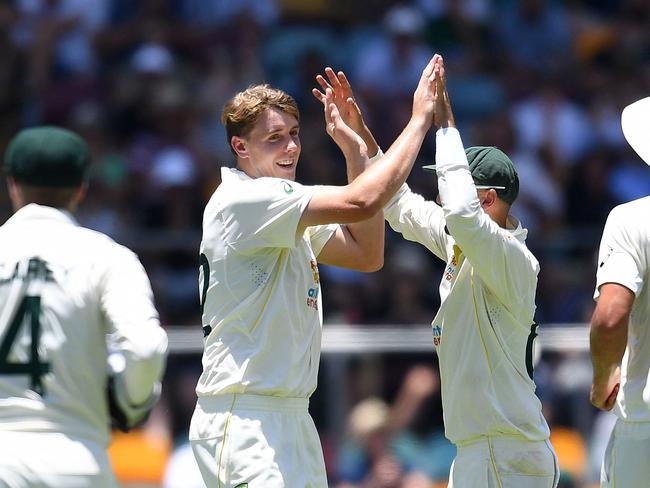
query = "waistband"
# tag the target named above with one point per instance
(505, 441)
(246, 401)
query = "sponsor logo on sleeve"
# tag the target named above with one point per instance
(312, 293)
(452, 266)
(437, 334)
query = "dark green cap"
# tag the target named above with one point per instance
(47, 156)
(491, 168)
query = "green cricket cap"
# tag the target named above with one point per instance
(47, 156)
(491, 168)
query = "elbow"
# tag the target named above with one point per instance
(607, 325)
(455, 220)
(365, 208)
(365, 203)
(373, 264)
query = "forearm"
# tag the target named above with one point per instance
(457, 190)
(144, 366)
(368, 234)
(608, 343)
(382, 180)
(369, 139)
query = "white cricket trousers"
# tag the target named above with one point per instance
(504, 462)
(256, 441)
(52, 460)
(627, 458)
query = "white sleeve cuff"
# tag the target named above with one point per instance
(449, 148)
(379, 154)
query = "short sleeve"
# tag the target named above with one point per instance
(265, 212)
(319, 235)
(618, 258)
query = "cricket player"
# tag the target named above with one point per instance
(620, 333)
(484, 329)
(68, 297)
(263, 236)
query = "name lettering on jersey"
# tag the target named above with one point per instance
(437, 334)
(36, 269)
(312, 293)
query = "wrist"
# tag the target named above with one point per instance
(419, 122)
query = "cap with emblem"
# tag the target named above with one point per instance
(491, 168)
(47, 156)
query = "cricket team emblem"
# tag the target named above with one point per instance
(314, 271)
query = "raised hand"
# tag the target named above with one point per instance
(348, 109)
(343, 98)
(443, 115)
(347, 139)
(424, 97)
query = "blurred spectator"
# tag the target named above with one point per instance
(391, 64)
(536, 33)
(220, 13)
(409, 272)
(549, 119)
(419, 442)
(144, 82)
(366, 444)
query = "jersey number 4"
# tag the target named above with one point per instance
(30, 308)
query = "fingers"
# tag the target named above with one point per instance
(331, 110)
(318, 95)
(428, 70)
(343, 80)
(334, 81)
(337, 82)
(322, 82)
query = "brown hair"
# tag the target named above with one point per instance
(243, 110)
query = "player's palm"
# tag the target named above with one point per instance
(347, 139)
(443, 115)
(343, 97)
(424, 97)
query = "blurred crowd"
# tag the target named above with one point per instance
(144, 82)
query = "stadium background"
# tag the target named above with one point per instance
(144, 82)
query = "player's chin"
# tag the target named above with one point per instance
(287, 172)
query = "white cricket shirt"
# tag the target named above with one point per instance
(63, 289)
(262, 302)
(483, 331)
(624, 258)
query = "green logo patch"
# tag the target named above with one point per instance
(243, 485)
(287, 189)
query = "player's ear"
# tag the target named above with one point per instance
(15, 195)
(490, 197)
(239, 146)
